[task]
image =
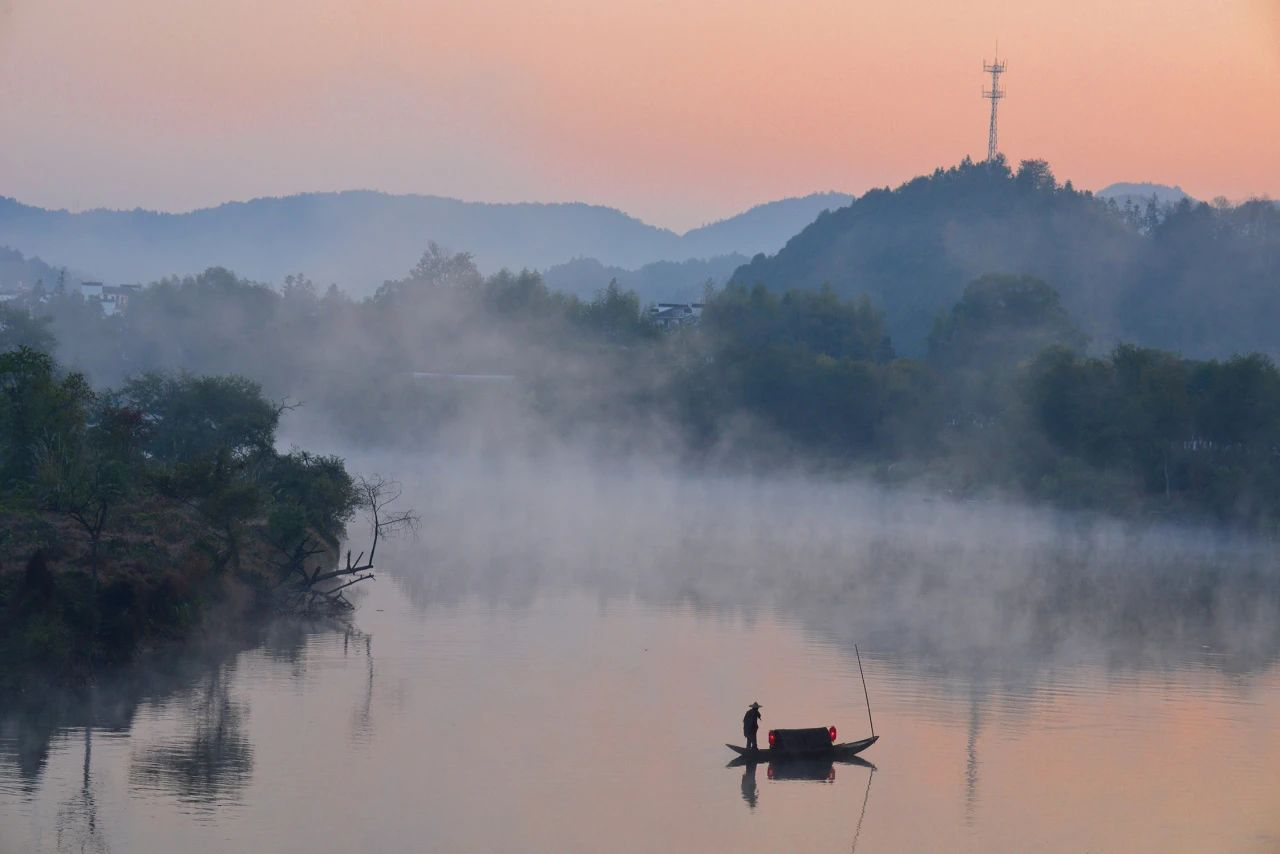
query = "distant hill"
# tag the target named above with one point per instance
(18, 272)
(1140, 193)
(711, 252)
(660, 281)
(358, 239)
(763, 228)
(1201, 281)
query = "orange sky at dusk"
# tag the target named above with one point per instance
(678, 113)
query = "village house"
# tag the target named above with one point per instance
(670, 315)
(112, 298)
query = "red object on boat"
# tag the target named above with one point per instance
(832, 732)
(772, 737)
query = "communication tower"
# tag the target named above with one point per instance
(994, 95)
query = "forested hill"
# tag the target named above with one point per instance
(1198, 279)
(360, 239)
(18, 272)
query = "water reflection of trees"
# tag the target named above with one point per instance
(211, 764)
(24, 745)
(354, 641)
(77, 821)
(213, 760)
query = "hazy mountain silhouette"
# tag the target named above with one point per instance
(660, 281)
(17, 271)
(764, 228)
(1142, 192)
(711, 252)
(1187, 277)
(360, 238)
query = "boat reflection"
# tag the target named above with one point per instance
(805, 769)
(802, 768)
(812, 770)
(750, 793)
(866, 796)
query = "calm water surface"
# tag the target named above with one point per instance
(580, 724)
(583, 717)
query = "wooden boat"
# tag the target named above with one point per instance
(836, 751)
(810, 743)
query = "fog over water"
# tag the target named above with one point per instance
(555, 662)
(978, 584)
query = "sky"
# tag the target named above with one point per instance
(677, 112)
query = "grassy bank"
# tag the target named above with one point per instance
(159, 581)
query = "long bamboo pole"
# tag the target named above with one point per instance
(864, 689)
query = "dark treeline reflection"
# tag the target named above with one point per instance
(993, 590)
(209, 763)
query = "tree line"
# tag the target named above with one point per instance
(127, 511)
(1006, 396)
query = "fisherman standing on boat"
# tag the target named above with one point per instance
(751, 725)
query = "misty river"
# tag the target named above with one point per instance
(556, 662)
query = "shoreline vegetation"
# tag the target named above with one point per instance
(140, 504)
(137, 516)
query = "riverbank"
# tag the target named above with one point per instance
(137, 515)
(158, 582)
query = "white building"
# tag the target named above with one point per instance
(112, 298)
(669, 315)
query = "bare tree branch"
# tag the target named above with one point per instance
(313, 591)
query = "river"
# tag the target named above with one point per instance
(556, 663)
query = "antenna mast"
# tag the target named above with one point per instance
(994, 95)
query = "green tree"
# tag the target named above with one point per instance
(437, 268)
(312, 498)
(615, 314)
(208, 440)
(196, 418)
(979, 345)
(1237, 402)
(19, 329)
(38, 405)
(1000, 321)
(1073, 402)
(84, 482)
(1154, 409)
(819, 323)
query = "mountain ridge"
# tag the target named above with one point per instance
(1140, 192)
(1192, 278)
(360, 238)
